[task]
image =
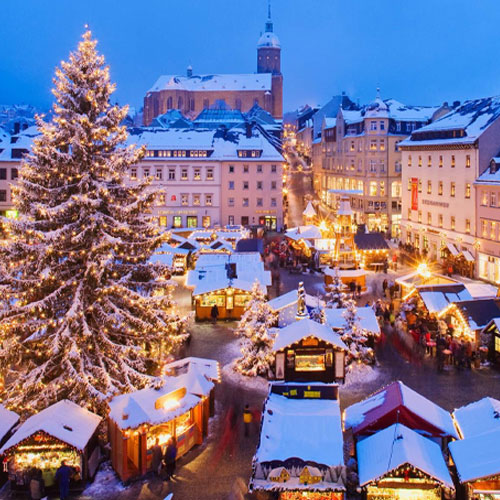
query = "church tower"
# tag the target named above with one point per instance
(269, 61)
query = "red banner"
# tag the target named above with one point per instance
(414, 193)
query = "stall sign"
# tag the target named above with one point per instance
(311, 495)
(310, 341)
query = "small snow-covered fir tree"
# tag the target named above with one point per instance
(335, 296)
(85, 315)
(355, 337)
(256, 337)
(318, 313)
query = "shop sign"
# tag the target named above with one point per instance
(310, 341)
(414, 193)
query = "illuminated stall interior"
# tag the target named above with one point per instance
(398, 463)
(372, 249)
(63, 431)
(180, 409)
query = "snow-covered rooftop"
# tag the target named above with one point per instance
(308, 429)
(290, 299)
(209, 367)
(223, 147)
(397, 445)
(309, 210)
(64, 420)
(477, 457)
(229, 82)
(268, 39)
(360, 416)
(367, 319)
(7, 420)
(438, 297)
(478, 417)
(304, 232)
(303, 328)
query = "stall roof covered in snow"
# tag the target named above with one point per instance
(397, 445)
(345, 273)
(477, 457)
(478, 313)
(306, 328)
(209, 367)
(478, 417)
(370, 241)
(228, 82)
(65, 421)
(367, 319)
(308, 429)
(481, 290)
(462, 125)
(7, 420)
(290, 299)
(398, 401)
(304, 232)
(438, 297)
(309, 210)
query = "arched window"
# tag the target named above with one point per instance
(237, 104)
(256, 102)
(191, 104)
(169, 103)
(179, 103)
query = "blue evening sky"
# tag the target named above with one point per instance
(419, 52)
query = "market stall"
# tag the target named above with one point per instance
(309, 351)
(367, 319)
(179, 409)
(61, 432)
(373, 250)
(358, 276)
(410, 281)
(490, 341)
(286, 306)
(397, 463)
(436, 298)
(300, 452)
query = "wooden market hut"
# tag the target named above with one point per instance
(309, 351)
(398, 462)
(398, 403)
(436, 298)
(179, 409)
(410, 281)
(63, 431)
(358, 276)
(490, 339)
(372, 249)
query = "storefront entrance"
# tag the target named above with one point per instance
(177, 221)
(269, 221)
(192, 221)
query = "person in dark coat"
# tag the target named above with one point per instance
(214, 313)
(156, 461)
(37, 485)
(170, 457)
(63, 476)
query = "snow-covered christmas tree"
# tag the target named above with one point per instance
(355, 337)
(335, 296)
(318, 313)
(256, 336)
(85, 315)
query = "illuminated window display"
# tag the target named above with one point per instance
(310, 362)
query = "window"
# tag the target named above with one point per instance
(3, 195)
(230, 202)
(373, 145)
(210, 174)
(467, 161)
(179, 102)
(373, 125)
(373, 166)
(452, 222)
(158, 174)
(382, 146)
(146, 172)
(171, 174)
(273, 185)
(398, 126)
(452, 161)
(208, 200)
(467, 225)
(493, 199)
(14, 173)
(493, 230)
(162, 199)
(484, 199)
(396, 189)
(133, 174)
(484, 228)
(259, 169)
(259, 202)
(409, 214)
(467, 190)
(162, 220)
(245, 202)
(352, 147)
(452, 189)
(419, 161)
(396, 145)
(184, 199)
(231, 185)
(419, 216)
(273, 202)
(184, 174)
(440, 220)
(440, 161)
(382, 125)
(429, 187)
(429, 218)
(409, 184)
(382, 188)
(273, 169)
(245, 169)
(197, 174)
(440, 188)
(196, 199)
(420, 185)
(373, 188)
(237, 104)
(231, 169)
(409, 160)
(259, 185)
(245, 185)
(169, 103)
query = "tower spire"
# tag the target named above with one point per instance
(269, 9)
(269, 23)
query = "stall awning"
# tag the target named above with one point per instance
(451, 247)
(468, 256)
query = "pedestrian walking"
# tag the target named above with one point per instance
(214, 313)
(384, 286)
(63, 476)
(37, 486)
(247, 420)
(157, 458)
(352, 288)
(359, 290)
(170, 457)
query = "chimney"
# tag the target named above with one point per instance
(189, 71)
(456, 104)
(248, 129)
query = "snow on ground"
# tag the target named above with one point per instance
(359, 374)
(258, 384)
(105, 485)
